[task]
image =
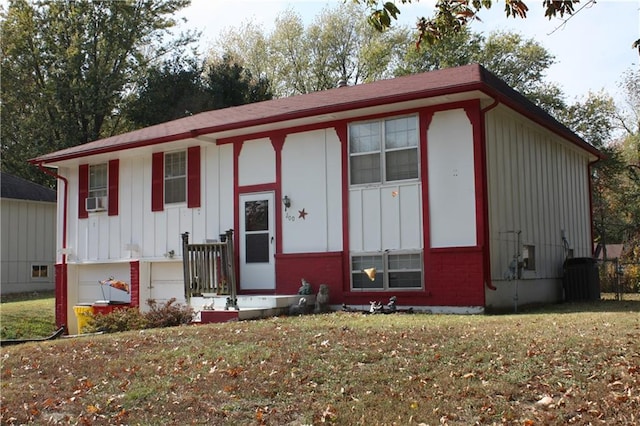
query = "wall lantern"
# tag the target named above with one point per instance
(286, 201)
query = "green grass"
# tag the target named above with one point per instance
(27, 315)
(341, 368)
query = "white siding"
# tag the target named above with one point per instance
(452, 201)
(167, 281)
(537, 184)
(385, 217)
(104, 238)
(89, 288)
(257, 162)
(28, 238)
(311, 178)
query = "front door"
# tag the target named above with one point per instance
(257, 234)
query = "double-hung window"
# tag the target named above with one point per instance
(384, 150)
(175, 177)
(98, 180)
(394, 270)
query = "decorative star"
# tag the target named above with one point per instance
(302, 214)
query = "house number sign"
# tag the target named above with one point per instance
(302, 214)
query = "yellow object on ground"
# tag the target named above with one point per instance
(83, 314)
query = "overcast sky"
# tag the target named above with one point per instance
(592, 49)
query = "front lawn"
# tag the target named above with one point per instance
(27, 315)
(566, 364)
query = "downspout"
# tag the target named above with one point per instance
(485, 255)
(63, 292)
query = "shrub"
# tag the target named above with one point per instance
(167, 314)
(117, 320)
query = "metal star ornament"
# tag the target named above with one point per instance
(302, 214)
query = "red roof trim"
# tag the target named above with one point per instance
(431, 84)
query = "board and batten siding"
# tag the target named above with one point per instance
(311, 178)
(28, 238)
(451, 177)
(538, 184)
(151, 235)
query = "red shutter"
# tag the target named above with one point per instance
(157, 182)
(114, 177)
(83, 190)
(193, 177)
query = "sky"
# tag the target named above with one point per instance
(592, 49)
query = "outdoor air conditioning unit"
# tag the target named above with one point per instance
(96, 204)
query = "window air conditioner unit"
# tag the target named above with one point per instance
(96, 204)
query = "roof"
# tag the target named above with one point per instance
(418, 86)
(21, 189)
(614, 251)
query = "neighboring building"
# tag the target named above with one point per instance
(434, 179)
(28, 231)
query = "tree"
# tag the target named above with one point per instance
(451, 16)
(229, 84)
(66, 67)
(521, 63)
(337, 45)
(180, 87)
(171, 90)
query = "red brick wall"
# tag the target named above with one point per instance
(454, 277)
(61, 295)
(316, 268)
(135, 282)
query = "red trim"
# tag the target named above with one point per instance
(263, 187)
(425, 118)
(61, 268)
(473, 114)
(157, 182)
(237, 148)
(83, 190)
(193, 177)
(342, 132)
(337, 123)
(134, 266)
(277, 141)
(114, 177)
(486, 252)
(61, 295)
(481, 81)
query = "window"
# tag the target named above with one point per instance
(39, 271)
(384, 151)
(393, 271)
(98, 180)
(175, 177)
(529, 258)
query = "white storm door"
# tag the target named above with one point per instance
(257, 242)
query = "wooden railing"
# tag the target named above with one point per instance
(209, 268)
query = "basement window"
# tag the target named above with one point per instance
(397, 271)
(39, 271)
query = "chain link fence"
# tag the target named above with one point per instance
(619, 277)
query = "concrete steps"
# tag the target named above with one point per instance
(211, 308)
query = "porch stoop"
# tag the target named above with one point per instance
(211, 308)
